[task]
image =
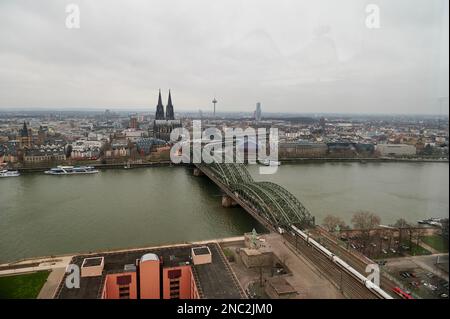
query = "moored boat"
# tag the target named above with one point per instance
(71, 170)
(270, 163)
(6, 173)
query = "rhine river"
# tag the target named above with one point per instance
(44, 215)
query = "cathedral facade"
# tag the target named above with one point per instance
(164, 122)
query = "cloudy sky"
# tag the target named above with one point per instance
(291, 55)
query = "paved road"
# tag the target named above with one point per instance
(426, 262)
(37, 264)
(50, 287)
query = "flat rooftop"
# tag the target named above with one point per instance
(213, 280)
(201, 251)
(96, 261)
(281, 286)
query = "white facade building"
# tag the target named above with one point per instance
(396, 149)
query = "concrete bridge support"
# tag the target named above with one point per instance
(198, 172)
(227, 201)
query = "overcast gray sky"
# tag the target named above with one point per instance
(291, 55)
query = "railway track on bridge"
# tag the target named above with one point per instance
(358, 262)
(280, 211)
(347, 284)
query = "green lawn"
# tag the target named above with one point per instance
(437, 242)
(418, 250)
(25, 286)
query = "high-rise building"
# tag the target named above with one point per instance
(258, 112)
(171, 272)
(133, 122)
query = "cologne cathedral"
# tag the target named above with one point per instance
(164, 123)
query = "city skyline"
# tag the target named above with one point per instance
(244, 150)
(295, 57)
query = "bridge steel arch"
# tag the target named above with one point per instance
(271, 201)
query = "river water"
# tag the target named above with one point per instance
(48, 215)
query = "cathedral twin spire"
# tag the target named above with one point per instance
(160, 109)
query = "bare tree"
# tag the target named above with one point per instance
(381, 235)
(365, 221)
(330, 222)
(403, 226)
(420, 233)
(401, 223)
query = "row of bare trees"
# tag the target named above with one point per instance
(366, 222)
(361, 220)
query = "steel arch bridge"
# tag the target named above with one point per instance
(271, 201)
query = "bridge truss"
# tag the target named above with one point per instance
(271, 201)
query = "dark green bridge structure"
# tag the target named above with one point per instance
(271, 204)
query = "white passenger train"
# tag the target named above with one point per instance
(342, 264)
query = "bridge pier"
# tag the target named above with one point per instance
(227, 201)
(197, 172)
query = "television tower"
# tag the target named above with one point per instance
(214, 102)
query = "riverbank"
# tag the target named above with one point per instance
(282, 160)
(361, 160)
(100, 166)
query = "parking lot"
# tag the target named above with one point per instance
(383, 247)
(419, 276)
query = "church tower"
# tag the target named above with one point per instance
(25, 136)
(169, 109)
(159, 109)
(164, 123)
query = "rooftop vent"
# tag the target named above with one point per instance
(201, 255)
(129, 267)
(92, 267)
